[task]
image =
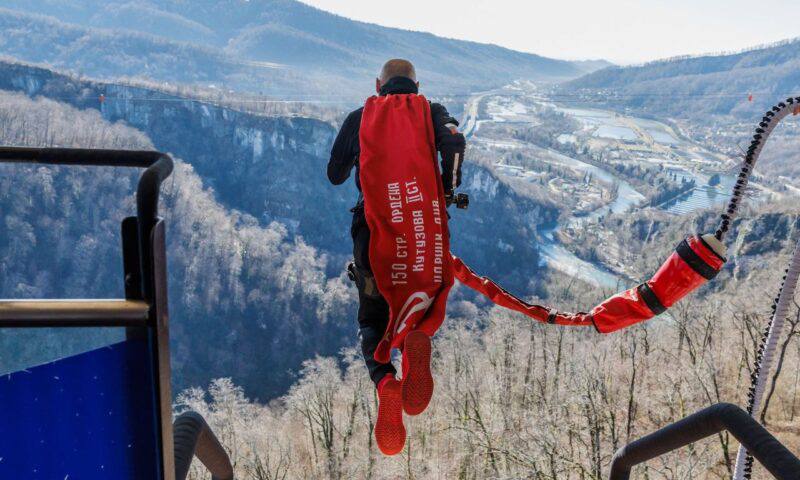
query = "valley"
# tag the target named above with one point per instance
(594, 163)
(550, 183)
(258, 236)
(583, 176)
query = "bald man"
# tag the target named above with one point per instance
(396, 77)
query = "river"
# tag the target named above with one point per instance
(611, 125)
(558, 257)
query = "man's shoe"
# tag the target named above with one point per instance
(417, 378)
(390, 433)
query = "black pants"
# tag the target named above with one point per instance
(373, 312)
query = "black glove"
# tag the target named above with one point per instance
(451, 148)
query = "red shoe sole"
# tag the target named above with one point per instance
(417, 378)
(390, 433)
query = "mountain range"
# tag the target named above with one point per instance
(717, 85)
(277, 47)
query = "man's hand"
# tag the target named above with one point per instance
(461, 200)
(452, 148)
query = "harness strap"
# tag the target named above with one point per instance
(694, 261)
(650, 299)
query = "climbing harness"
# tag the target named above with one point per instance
(364, 280)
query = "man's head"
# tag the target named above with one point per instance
(396, 67)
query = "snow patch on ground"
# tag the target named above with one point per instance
(616, 132)
(566, 138)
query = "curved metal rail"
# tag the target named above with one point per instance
(158, 166)
(144, 310)
(765, 128)
(193, 437)
(780, 306)
(776, 458)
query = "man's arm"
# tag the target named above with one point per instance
(345, 150)
(451, 145)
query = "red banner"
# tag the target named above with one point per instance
(404, 205)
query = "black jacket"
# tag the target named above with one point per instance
(346, 148)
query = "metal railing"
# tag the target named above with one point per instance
(193, 437)
(73, 313)
(158, 166)
(143, 311)
(775, 457)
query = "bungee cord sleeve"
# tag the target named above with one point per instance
(769, 121)
(695, 261)
(503, 298)
(766, 126)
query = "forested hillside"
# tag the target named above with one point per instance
(516, 400)
(512, 399)
(260, 238)
(231, 278)
(278, 47)
(697, 86)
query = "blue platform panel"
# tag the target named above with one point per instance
(87, 417)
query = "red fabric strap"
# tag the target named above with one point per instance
(501, 297)
(673, 281)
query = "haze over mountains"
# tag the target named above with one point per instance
(713, 84)
(287, 49)
(278, 47)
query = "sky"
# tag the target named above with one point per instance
(622, 31)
